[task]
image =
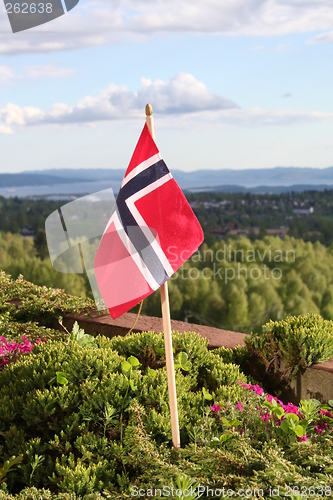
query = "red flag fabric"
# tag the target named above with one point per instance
(150, 234)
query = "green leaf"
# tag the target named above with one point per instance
(279, 412)
(285, 426)
(330, 402)
(183, 362)
(292, 417)
(53, 379)
(225, 421)
(182, 357)
(225, 437)
(126, 366)
(132, 360)
(131, 383)
(75, 329)
(187, 366)
(234, 423)
(62, 378)
(151, 372)
(206, 394)
(299, 431)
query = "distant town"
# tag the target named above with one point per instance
(307, 215)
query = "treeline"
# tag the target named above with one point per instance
(220, 213)
(237, 284)
(17, 214)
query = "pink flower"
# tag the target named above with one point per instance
(10, 351)
(321, 427)
(303, 438)
(215, 408)
(241, 431)
(264, 416)
(239, 405)
(290, 408)
(269, 398)
(326, 413)
(258, 390)
(278, 421)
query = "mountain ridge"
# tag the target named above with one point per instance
(278, 177)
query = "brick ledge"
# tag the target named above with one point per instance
(104, 324)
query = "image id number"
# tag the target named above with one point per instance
(307, 492)
(24, 8)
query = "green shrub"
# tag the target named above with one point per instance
(102, 430)
(69, 407)
(285, 347)
(28, 302)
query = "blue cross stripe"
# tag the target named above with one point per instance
(136, 235)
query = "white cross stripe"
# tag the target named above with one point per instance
(130, 202)
(132, 251)
(141, 167)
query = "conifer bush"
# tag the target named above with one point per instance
(27, 302)
(286, 347)
(67, 407)
(86, 417)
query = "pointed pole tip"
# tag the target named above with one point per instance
(149, 110)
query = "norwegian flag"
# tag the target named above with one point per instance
(150, 234)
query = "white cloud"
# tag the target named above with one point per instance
(256, 117)
(7, 75)
(47, 70)
(183, 97)
(102, 22)
(182, 94)
(325, 37)
(36, 72)
(11, 114)
(6, 130)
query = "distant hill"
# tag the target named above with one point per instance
(90, 174)
(296, 188)
(278, 176)
(36, 179)
(275, 180)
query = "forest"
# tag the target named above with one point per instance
(235, 284)
(264, 257)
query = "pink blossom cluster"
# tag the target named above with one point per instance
(10, 351)
(215, 408)
(326, 413)
(288, 408)
(256, 388)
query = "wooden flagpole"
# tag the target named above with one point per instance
(167, 329)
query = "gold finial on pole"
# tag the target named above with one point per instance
(149, 110)
(150, 120)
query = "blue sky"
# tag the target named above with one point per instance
(233, 83)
